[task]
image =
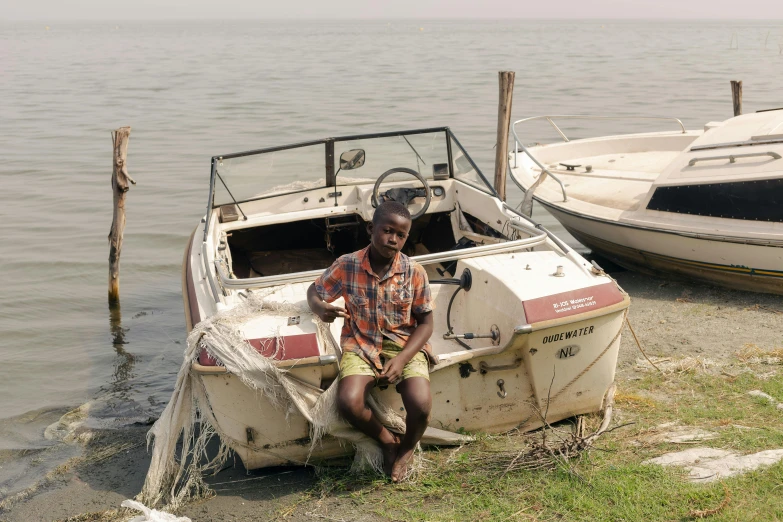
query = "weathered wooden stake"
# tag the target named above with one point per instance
(505, 96)
(736, 96)
(119, 185)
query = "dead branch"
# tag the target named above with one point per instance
(547, 455)
(120, 185)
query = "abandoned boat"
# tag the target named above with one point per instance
(702, 204)
(524, 326)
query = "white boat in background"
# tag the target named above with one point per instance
(704, 204)
(523, 324)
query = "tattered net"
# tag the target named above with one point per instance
(173, 479)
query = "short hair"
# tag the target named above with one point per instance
(389, 208)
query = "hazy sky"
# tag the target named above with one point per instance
(52, 10)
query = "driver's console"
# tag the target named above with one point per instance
(405, 195)
(410, 195)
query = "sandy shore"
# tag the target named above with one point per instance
(671, 319)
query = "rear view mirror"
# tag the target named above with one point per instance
(352, 159)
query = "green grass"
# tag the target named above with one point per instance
(607, 484)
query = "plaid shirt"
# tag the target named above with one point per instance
(379, 306)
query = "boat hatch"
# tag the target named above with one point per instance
(749, 130)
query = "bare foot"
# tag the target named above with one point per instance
(390, 454)
(401, 465)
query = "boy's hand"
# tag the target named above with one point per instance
(392, 370)
(328, 313)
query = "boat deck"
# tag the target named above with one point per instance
(619, 181)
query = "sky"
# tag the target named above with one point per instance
(54, 10)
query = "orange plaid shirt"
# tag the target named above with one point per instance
(379, 306)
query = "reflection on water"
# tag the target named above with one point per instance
(123, 368)
(192, 90)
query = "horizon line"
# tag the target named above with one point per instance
(383, 19)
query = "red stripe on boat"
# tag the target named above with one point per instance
(572, 303)
(280, 349)
(287, 347)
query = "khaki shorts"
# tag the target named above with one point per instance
(352, 364)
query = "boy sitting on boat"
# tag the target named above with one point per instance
(388, 320)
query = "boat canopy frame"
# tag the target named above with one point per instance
(329, 172)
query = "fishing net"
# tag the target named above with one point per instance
(176, 476)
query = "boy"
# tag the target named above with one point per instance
(388, 320)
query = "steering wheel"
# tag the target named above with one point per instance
(404, 195)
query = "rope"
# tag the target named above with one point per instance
(587, 368)
(639, 344)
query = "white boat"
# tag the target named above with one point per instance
(535, 328)
(702, 204)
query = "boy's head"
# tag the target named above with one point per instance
(389, 229)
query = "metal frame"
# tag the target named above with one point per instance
(733, 157)
(329, 161)
(592, 117)
(426, 259)
(536, 228)
(489, 185)
(518, 143)
(335, 139)
(537, 235)
(211, 200)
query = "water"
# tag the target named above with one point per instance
(191, 90)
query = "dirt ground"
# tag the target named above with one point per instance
(671, 319)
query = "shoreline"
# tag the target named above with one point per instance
(673, 320)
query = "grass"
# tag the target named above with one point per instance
(609, 483)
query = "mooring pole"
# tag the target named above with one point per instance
(119, 186)
(505, 95)
(736, 96)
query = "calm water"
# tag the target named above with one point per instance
(191, 90)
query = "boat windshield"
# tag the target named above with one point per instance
(434, 153)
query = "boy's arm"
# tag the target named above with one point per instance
(327, 288)
(325, 311)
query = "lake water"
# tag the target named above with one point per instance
(194, 89)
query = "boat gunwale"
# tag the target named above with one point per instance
(438, 257)
(537, 235)
(772, 243)
(728, 276)
(519, 331)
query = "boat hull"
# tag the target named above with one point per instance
(736, 265)
(559, 369)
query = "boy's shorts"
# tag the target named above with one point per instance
(352, 364)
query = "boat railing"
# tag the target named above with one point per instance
(539, 238)
(549, 118)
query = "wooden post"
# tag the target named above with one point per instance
(736, 96)
(119, 185)
(505, 96)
